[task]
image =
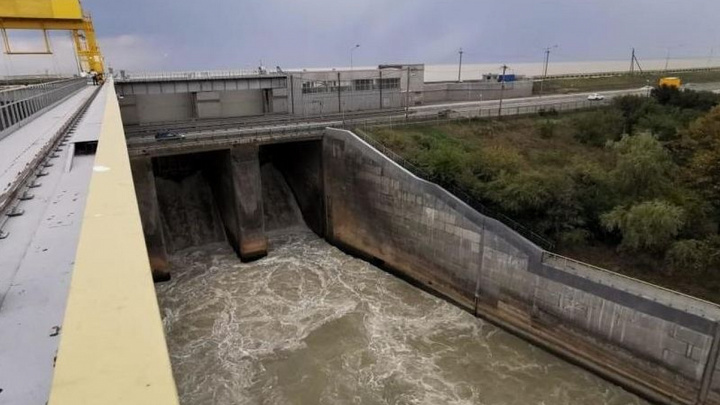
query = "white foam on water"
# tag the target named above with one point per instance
(310, 325)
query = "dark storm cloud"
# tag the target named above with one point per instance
(215, 34)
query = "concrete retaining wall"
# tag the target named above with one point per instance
(655, 342)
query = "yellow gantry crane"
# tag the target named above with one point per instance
(46, 15)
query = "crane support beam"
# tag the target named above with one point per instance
(40, 24)
(42, 9)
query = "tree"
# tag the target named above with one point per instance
(693, 256)
(689, 99)
(663, 124)
(631, 108)
(644, 168)
(650, 225)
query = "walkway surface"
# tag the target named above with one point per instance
(21, 147)
(37, 258)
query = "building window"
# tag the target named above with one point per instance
(363, 84)
(315, 86)
(390, 83)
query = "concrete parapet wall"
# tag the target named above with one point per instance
(655, 342)
(112, 350)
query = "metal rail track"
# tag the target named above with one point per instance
(29, 178)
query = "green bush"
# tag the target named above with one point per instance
(650, 225)
(487, 164)
(686, 99)
(688, 257)
(444, 163)
(632, 108)
(644, 169)
(663, 124)
(598, 127)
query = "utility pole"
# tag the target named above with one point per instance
(460, 66)
(545, 67)
(667, 58)
(710, 59)
(635, 62)
(381, 89)
(407, 94)
(502, 90)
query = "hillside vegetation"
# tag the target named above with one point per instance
(634, 187)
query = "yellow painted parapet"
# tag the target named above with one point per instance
(43, 9)
(112, 350)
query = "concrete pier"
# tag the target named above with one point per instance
(234, 176)
(144, 179)
(252, 243)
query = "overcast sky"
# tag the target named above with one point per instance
(219, 34)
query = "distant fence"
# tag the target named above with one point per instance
(465, 113)
(18, 105)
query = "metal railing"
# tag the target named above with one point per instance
(465, 113)
(31, 79)
(126, 77)
(19, 105)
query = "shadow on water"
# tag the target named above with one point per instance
(310, 324)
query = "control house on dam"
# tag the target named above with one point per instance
(206, 189)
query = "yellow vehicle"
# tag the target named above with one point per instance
(673, 82)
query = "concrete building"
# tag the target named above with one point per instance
(316, 93)
(181, 96)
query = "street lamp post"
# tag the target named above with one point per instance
(351, 55)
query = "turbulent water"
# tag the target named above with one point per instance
(311, 325)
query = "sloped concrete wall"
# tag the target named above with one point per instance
(652, 341)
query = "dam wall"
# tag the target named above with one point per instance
(655, 342)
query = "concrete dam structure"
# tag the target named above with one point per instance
(656, 343)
